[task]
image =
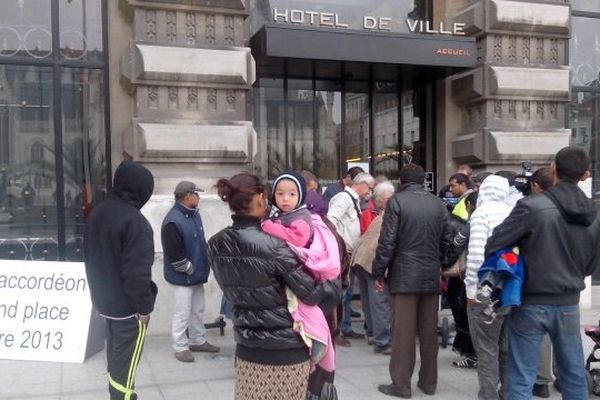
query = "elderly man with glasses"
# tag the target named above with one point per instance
(344, 212)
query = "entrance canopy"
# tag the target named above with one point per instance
(300, 42)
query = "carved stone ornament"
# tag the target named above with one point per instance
(229, 30)
(210, 32)
(211, 98)
(152, 96)
(526, 50)
(173, 95)
(171, 27)
(151, 25)
(190, 28)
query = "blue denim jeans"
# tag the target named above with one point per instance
(376, 308)
(526, 328)
(226, 308)
(346, 325)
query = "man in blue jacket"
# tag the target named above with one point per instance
(186, 268)
(119, 253)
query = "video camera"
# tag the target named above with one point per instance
(522, 181)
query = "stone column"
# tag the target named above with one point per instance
(513, 103)
(189, 73)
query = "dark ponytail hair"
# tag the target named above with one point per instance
(239, 191)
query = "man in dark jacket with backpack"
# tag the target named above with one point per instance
(119, 252)
(186, 268)
(558, 234)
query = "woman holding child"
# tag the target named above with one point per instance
(261, 276)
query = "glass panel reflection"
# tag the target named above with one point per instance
(25, 29)
(328, 98)
(28, 223)
(413, 148)
(81, 29)
(584, 121)
(300, 124)
(357, 122)
(584, 52)
(385, 129)
(585, 5)
(269, 125)
(84, 155)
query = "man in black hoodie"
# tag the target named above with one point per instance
(558, 234)
(119, 252)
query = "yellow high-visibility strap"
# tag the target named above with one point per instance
(126, 392)
(136, 355)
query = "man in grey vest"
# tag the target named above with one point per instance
(186, 268)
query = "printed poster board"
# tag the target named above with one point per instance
(46, 312)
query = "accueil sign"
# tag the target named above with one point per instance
(333, 20)
(45, 311)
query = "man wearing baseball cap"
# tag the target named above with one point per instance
(186, 268)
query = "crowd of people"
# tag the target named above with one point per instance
(510, 267)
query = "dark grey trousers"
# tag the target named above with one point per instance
(492, 349)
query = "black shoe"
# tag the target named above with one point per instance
(353, 335)
(355, 314)
(427, 391)
(556, 385)
(385, 350)
(541, 391)
(393, 390)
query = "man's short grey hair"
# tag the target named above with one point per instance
(382, 188)
(363, 177)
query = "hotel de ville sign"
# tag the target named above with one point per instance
(370, 23)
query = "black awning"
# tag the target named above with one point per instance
(371, 47)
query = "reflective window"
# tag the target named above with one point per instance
(28, 213)
(385, 129)
(328, 103)
(584, 121)
(412, 145)
(49, 179)
(300, 124)
(270, 128)
(585, 5)
(81, 30)
(25, 29)
(584, 52)
(357, 138)
(326, 125)
(84, 158)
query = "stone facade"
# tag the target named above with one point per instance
(186, 74)
(512, 104)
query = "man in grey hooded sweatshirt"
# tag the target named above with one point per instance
(488, 339)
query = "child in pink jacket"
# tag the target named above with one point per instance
(310, 239)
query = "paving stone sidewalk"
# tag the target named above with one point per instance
(161, 377)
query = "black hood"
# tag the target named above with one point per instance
(572, 203)
(133, 183)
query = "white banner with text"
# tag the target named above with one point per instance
(45, 311)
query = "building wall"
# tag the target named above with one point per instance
(180, 82)
(512, 105)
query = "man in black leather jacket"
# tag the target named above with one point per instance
(414, 235)
(558, 234)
